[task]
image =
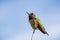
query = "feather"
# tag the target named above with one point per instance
(41, 27)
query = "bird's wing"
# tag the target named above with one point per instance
(40, 26)
(40, 23)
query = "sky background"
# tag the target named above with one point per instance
(14, 24)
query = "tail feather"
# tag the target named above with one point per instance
(47, 33)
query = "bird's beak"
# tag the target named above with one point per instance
(27, 12)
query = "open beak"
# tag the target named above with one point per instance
(27, 12)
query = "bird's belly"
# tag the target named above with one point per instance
(33, 24)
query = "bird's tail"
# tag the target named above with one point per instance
(47, 33)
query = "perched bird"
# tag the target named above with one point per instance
(36, 24)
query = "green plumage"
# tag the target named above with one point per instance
(38, 22)
(41, 27)
(32, 22)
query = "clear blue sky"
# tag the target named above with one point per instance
(14, 24)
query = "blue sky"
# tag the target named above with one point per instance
(14, 24)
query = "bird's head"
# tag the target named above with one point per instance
(31, 15)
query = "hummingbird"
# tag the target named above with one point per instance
(36, 24)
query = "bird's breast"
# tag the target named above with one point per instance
(32, 24)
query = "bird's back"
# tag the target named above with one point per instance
(41, 27)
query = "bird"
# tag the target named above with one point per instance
(36, 24)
